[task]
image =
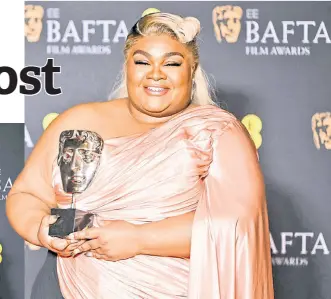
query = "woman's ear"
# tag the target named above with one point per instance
(193, 69)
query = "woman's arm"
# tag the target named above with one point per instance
(25, 213)
(230, 253)
(168, 237)
(32, 195)
(116, 240)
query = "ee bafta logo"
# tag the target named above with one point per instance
(33, 15)
(321, 127)
(253, 125)
(227, 22)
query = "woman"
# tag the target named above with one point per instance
(179, 193)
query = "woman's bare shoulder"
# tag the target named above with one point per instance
(91, 112)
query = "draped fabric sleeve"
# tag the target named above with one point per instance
(230, 249)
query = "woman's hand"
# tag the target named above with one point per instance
(113, 241)
(63, 247)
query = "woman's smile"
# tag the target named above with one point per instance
(156, 91)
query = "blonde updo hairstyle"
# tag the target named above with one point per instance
(184, 30)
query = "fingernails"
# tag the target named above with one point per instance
(76, 251)
(88, 254)
(54, 217)
(71, 236)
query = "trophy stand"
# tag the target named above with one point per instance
(70, 220)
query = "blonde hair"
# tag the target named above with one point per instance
(184, 30)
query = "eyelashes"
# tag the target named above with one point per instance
(138, 62)
(141, 62)
(173, 64)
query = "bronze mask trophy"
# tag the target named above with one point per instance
(79, 158)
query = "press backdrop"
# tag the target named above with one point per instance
(11, 245)
(270, 64)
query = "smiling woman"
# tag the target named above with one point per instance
(178, 197)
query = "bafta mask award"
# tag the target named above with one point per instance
(78, 159)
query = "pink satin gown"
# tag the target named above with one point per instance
(202, 159)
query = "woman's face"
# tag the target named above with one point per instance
(159, 75)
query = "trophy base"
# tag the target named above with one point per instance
(70, 220)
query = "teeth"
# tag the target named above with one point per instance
(155, 88)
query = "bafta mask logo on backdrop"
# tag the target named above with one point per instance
(33, 15)
(253, 125)
(321, 127)
(0, 253)
(227, 23)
